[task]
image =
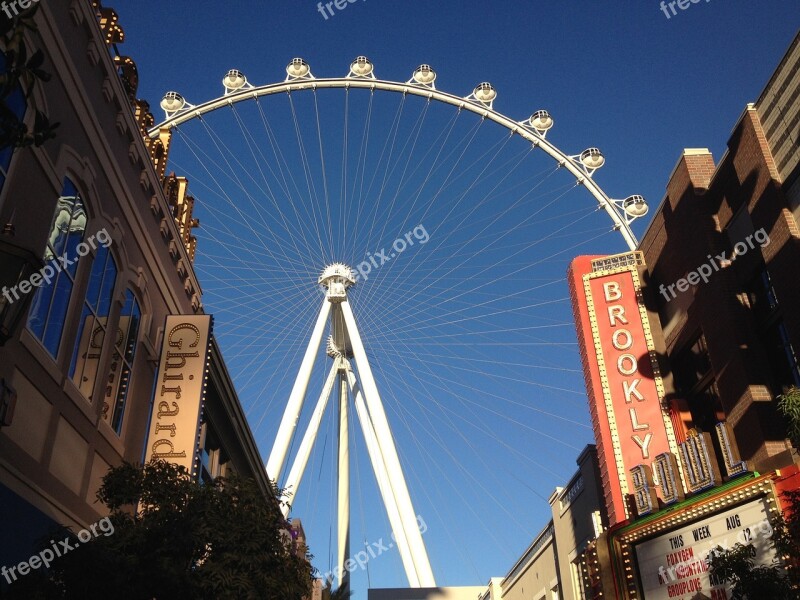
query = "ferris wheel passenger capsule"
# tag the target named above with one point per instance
(172, 102)
(541, 121)
(361, 67)
(234, 80)
(635, 206)
(297, 68)
(484, 93)
(424, 75)
(592, 158)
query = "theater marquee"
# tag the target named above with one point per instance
(621, 370)
(675, 565)
(180, 390)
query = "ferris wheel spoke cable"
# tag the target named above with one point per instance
(312, 189)
(444, 136)
(503, 257)
(434, 433)
(443, 473)
(460, 383)
(426, 365)
(219, 144)
(389, 144)
(493, 280)
(453, 229)
(294, 351)
(433, 169)
(416, 130)
(324, 173)
(446, 386)
(280, 162)
(423, 283)
(252, 146)
(361, 165)
(224, 195)
(281, 291)
(341, 229)
(421, 486)
(256, 269)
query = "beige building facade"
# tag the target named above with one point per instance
(557, 563)
(106, 245)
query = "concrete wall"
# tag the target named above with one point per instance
(439, 593)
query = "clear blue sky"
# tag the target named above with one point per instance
(620, 76)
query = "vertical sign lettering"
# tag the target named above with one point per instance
(180, 390)
(624, 385)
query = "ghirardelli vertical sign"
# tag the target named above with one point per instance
(180, 390)
(622, 378)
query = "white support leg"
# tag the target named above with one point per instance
(379, 467)
(277, 458)
(389, 451)
(343, 525)
(300, 461)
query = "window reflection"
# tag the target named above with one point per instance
(49, 307)
(88, 347)
(119, 376)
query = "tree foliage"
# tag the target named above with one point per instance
(737, 566)
(175, 538)
(789, 405)
(22, 70)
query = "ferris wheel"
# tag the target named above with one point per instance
(425, 237)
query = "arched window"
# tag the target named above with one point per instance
(49, 307)
(119, 378)
(88, 348)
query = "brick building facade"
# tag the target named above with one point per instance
(732, 338)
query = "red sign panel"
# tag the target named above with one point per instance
(623, 382)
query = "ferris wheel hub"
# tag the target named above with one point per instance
(337, 278)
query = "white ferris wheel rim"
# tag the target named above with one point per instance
(621, 212)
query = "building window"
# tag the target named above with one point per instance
(694, 379)
(15, 103)
(772, 332)
(214, 461)
(119, 377)
(692, 366)
(88, 349)
(49, 307)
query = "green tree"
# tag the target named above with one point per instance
(748, 580)
(22, 70)
(174, 538)
(789, 405)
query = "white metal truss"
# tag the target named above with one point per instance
(345, 343)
